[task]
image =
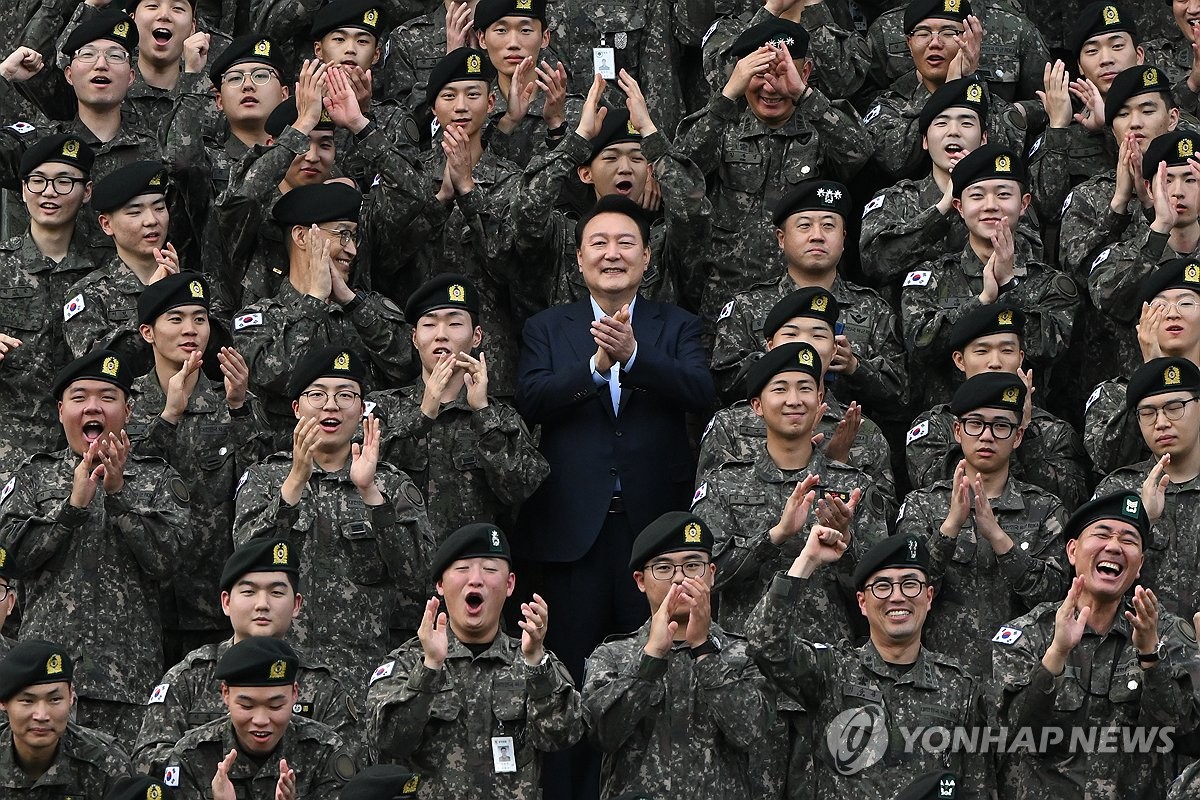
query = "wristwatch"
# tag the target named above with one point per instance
(1154, 656)
(706, 649)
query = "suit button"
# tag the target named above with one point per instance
(619, 433)
(612, 471)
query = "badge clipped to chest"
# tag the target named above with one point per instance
(504, 755)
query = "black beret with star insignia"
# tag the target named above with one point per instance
(140, 788)
(181, 289)
(1125, 506)
(261, 555)
(1097, 19)
(365, 15)
(1138, 80)
(1173, 148)
(986, 320)
(477, 540)
(813, 195)
(253, 48)
(673, 532)
(1177, 273)
(985, 163)
(775, 31)
(447, 290)
(464, 64)
(937, 785)
(34, 662)
(125, 183)
(98, 365)
(258, 661)
(894, 551)
(286, 114)
(328, 362)
(811, 301)
(318, 202)
(62, 148)
(616, 128)
(1162, 376)
(1000, 390)
(107, 25)
(381, 782)
(969, 93)
(920, 10)
(488, 12)
(787, 357)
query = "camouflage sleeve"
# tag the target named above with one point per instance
(181, 135)
(148, 521)
(164, 722)
(250, 436)
(334, 707)
(1129, 478)
(511, 461)
(1110, 433)
(269, 348)
(1188, 100)
(927, 320)
(259, 509)
(1034, 57)
(1038, 574)
(692, 20)
(1087, 227)
(50, 93)
(1117, 274)
(734, 348)
(881, 379)
(716, 445)
(846, 143)
(916, 519)
(791, 663)
(1062, 467)
(487, 213)
(89, 327)
(738, 550)
(535, 233)
(1050, 301)
(930, 451)
(402, 528)
(733, 693)
(1049, 171)
(716, 62)
(700, 137)
(897, 235)
(657, 74)
(386, 337)
(33, 535)
(1027, 689)
(46, 24)
(555, 708)
(624, 690)
(399, 701)
(688, 215)
(191, 785)
(399, 72)
(840, 57)
(894, 130)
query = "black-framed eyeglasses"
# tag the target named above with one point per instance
(259, 77)
(63, 184)
(923, 35)
(344, 235)
(5, 590)
(318, 397)
(1001, 428)
(1172, 410)
(114, 55)
(909, 587)
(665, 571)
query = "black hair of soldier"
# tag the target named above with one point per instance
(642, 224)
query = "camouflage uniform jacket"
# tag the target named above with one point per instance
(737, 434)
(472, 466)
(275, 332)
(322, 761)
(1060, 161)
(87, 764)
(101, 311)
(976, 589)
(545, 236)
(742, 501)
(901, 226)
(1172, 564)
(1110, 433)
(751, 167)
(91, 576)
(189, 696)
(529, 139)
(675, 726)
(1175, 57)
(1051, 455)
(354, 558)
(210, 449)
(832, 679)
(1089, 224)
(879, 382)
(1102, 687)
(441, 723)
(413, 50)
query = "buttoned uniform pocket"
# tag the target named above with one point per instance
(360, 549)
(509, 708)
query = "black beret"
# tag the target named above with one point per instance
(260, 555)
(1100, 18)
(32, 662)
(894, 551)
(107, 24)
(787, 357)
(140, 787)
(251, 48)
(615, 204)
(987, 162)
(673, 532)
(986, 320)
(1177, 273)
(811, 301)
(125, 183)
(286, 114)
(615, 129)
(939, 785)
(62, 148)
(477, 540)
(367, 15)
(258, 661)
(1001, 390)
(967, 93)
(774, 31)
(1142, 79)
(487, 12)
(464, 64)
(1174, 148)
(317, 203)
(813, 195)
(918, 10)
(98, 365)
(1161, 376)
(181, 289)
(1125, 506)
(447, 290)
(380, 782)
(328, 362)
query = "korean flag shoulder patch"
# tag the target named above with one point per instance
(700, 494)
(171, 775)
(159, 695)
(1007, 635)
(918, 277)
(919, 431)
(247, 320)
(384, 670)
(73, 307)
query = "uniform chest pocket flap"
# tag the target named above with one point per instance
(508, 700)
(446, 705)
(363, 562)
(21, 308)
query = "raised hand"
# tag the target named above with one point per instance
(535, 618)
(180, 388)
(1154, 488)
(1070, 621)
(795, 510)
(364, 462)
(432, 635)
(237, 376)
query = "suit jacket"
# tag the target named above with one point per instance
(588, 445)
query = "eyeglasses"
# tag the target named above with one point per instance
(1172, 410)
(342, 399)
(665, 571)
(1001, 429)
(344, 235)
(909, 587)
(1184, 306)
(63, 184)
(5, 589)
(260, 77)
(113, 55)
(923, 35)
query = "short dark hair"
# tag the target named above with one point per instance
(615, 204)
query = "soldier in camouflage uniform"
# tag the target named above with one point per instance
(260, 586)
(92, 534)
(989, 193)
(995, 543)
(758, 508)
(1051, 455)
(1105, 670)
(36, 691)
(413, 49)
(467, 706)
(892, 678)
(238, 755)
(193, 411)
(788, 132)
(910, 218)
(359, 524)
(315, 304)
(290, 22)
(933, 29)
(656, 697)
(470, 453)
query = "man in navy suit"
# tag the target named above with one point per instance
(610, 379)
